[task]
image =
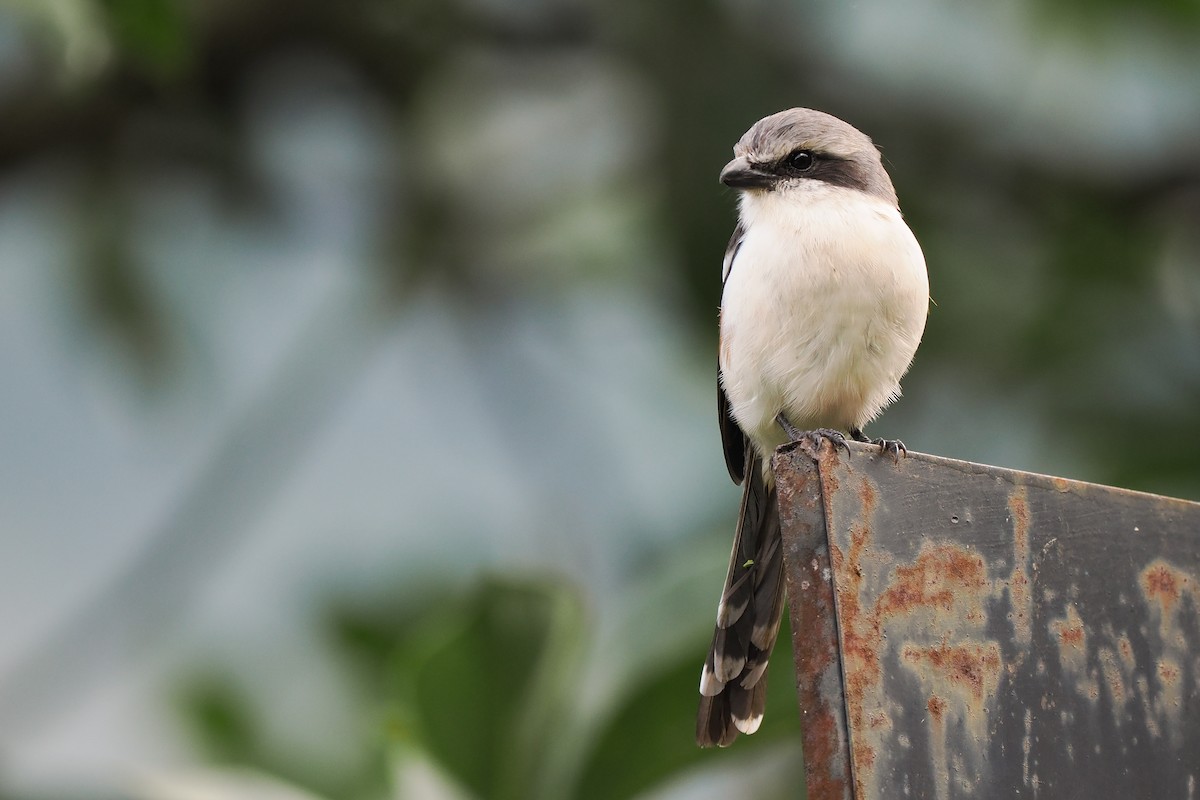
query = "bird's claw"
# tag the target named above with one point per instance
(835, 438)
(893, 447)
(813, 438)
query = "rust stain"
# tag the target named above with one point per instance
(820, 738)
(1071, 637)
(1164, 587)
(1161, 583)
(973, 668)
(1168, 703)
(864, 759)
(1070, 630)
(936, 706)
(1018, 580)
(836, 558)
(866, 493)
(860, 641)
(1125, 651)
(939, 577)
(1018, 506)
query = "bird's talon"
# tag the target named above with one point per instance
(893, 447)
(813, 439)
(836, 438)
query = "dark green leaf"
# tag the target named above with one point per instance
(153, 34)
(651, 738)
(494, 671)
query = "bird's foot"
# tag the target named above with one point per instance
(893, 447)
(813, 438)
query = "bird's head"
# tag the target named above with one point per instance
(792, 149)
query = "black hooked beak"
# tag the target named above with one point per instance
(741, 174)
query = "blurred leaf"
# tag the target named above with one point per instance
(370, 631)
(223, 721)
(485, 692)
(650, 737)
(1106, 19)
(122, 301)
(113, 282)
(153, 34)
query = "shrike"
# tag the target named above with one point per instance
(824, 302)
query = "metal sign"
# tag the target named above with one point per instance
(968, 631)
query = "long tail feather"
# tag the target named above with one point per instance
(734, 679)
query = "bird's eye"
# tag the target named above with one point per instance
(801, 160)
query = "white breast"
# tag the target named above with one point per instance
(822, 310)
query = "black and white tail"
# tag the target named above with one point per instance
(733, 684)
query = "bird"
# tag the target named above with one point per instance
(824, 299)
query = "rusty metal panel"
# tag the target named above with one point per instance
(814, 631)
(1004, 634)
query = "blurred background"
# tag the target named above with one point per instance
(358, 412)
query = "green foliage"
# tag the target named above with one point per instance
(221, 720)
(649, 738)
(489, 684)
(483, 681)
(1103, 19)
(231, 729)
(648, 721)
(153, 34)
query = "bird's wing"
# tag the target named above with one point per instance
(733, 441)
(731, 251)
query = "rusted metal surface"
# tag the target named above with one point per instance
(1003, 634)
(814, 632)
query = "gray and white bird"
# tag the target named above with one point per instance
(824, 303)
